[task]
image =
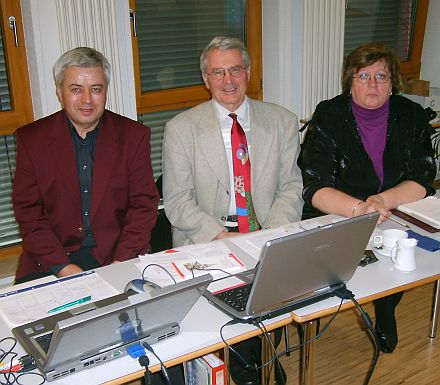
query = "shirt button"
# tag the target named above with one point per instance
(85, 190)
(84, 167)
(86, 213)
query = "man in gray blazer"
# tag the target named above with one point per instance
(198, 184)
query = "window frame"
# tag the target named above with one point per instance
(410, 69)
(16, 62)
(183, 97)
(19, 88)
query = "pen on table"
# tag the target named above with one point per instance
(399, 222)
(70, 304)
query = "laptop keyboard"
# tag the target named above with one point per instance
(44, 341)
(237, 297)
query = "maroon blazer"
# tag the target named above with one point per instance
(46, 194)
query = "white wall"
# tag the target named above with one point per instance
(46, 32)
(431, 46)
(282, 52)
(43, 49)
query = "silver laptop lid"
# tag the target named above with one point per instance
(90, 331)
(305, 264)
(88, 334)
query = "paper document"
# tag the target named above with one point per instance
(252, 243)
(426, 210)
(32, 303)
(225, 284)
(191, 261)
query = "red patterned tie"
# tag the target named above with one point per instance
(247, 220)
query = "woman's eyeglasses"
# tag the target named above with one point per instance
(364, 77)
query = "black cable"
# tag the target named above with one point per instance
(276, 356)
(238, 355)
(27, 362)
(369, 324)
(145, 361)
(321, 332)
(43, 380)
(344, 293)
(9, 376)
(276, 361)
(162, 366)
(161, 267)
(208, 269)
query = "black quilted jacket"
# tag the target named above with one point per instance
(333, 155)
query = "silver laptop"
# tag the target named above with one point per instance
(297, 270)
(98, 332)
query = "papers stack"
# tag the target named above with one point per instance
(23, 304)
(191, 261)
(426, 210)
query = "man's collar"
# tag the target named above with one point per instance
(242, 112)
(74, 130)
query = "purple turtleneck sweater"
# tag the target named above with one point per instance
(372, 125)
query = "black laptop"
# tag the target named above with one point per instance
(296, 270)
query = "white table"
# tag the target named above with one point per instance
(199, 335)
(373, 281)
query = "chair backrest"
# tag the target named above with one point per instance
(161, 237)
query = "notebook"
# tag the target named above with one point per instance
(297, 270)
(426, 210)
(98, 332)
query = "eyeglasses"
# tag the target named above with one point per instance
(364, 77)
(220, 73)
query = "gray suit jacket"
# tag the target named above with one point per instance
(196, 188)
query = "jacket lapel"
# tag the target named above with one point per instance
(210, 139)
(64, 157)
(105, 156)
(262, 142)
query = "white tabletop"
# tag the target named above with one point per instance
(200, 328)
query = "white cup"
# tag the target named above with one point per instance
(403, 254)
(389, 238)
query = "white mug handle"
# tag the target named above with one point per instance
(394, 254)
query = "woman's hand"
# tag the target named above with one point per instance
(375, 203)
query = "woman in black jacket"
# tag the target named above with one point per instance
(367, 150)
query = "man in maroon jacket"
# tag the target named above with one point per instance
(84, 194)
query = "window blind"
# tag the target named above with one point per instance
(389, 22)
(172, 34)
(9, 233)
(5, 98)
(156, 121)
